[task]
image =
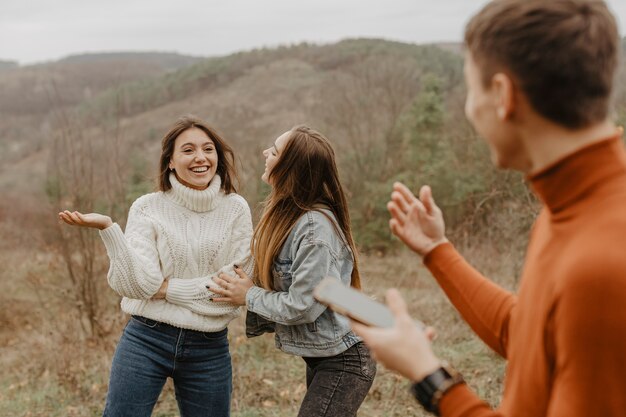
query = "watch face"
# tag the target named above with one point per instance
(438, 377)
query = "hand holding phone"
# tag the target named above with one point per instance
(352, 303)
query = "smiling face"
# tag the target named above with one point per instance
(194, 160)
(272, 154)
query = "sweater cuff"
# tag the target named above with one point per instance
(441, 254)
(181, 291)
(461, 401)
(113, 239)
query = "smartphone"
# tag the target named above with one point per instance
(352, 303)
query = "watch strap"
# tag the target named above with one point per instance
(431, 389)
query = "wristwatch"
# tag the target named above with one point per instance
(428, 391)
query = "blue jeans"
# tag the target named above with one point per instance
(337, 385)
(149, 352)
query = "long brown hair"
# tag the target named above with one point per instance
(304, 178)
(225, 157)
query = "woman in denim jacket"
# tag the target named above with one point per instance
(303, 236)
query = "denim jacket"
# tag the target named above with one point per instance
(303, 326)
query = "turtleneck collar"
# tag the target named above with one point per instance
(572, 179)
(195, 200)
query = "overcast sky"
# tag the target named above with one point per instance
(41, 30)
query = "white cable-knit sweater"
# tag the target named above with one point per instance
(187, 236)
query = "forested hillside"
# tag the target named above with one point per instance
(393, 110)
(30, 95)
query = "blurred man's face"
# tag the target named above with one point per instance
(481, 108)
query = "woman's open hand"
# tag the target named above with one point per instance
(232, 289)
(96, 220)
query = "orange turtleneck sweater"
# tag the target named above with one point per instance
(564, 334)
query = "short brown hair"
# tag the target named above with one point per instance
(225, 157)
(562, 54)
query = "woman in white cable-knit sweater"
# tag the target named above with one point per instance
(176, 241)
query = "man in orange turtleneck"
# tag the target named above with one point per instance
(539, 76)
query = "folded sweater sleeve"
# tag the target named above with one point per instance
(461, 401)
(134, 270)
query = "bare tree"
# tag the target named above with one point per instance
(362, 107)
(86, 172)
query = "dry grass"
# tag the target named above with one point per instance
(50, 369)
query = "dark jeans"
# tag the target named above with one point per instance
(337, 385)
(149, 352)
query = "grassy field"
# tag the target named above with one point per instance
(49, 369)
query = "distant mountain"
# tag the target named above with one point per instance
(249, 95)
(35, 89)
(223, 72)
(456, 47)
(357, 87)
(32, 97)
(8, 65)
(168, 61)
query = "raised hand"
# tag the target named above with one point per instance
(417, 222)
(96, 220)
